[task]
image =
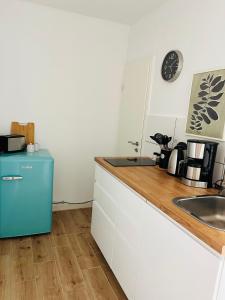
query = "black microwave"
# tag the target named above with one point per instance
(12, 143)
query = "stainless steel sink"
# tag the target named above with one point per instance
(207, 209)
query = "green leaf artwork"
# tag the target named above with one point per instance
(206, 116)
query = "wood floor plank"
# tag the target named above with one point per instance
(69, 270)
(5, 290)
(25, 290)
(48, 285)
(99, 284)
(92, 243)
(22, 247)
(81, 221)
(87, 258)
(79, 292)
(74, 244)
(4, 268)
(58, 236)
(88, 213)
(57, 225)
(100, 258)
(22, 269)
(42, 248)
(5, 246)
(60, 240)
(67, 221)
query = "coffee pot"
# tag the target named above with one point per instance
(177, 155)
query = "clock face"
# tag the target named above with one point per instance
(172, 65)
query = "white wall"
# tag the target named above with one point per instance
(63, 71)
(196, 28)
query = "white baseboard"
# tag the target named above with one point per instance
(65, 206)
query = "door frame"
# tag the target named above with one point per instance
(148, 96)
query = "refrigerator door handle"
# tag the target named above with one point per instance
(11, 178)
(17, 177)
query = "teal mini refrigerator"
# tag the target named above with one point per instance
(26, 182)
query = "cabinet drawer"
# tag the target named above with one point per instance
(125, 265)
(123, 196)
(129, 228)
(106, 180)
(105, 201)
(103, 231)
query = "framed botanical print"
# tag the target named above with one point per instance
(206, 115)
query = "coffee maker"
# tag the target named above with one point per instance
(197, 169)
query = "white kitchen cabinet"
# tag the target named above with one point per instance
(124, 198)
(105, 201)
(126, 250)
(221, 286)
(174, 265)
(123, 208)
(152, 256)
(103, 231)
(125, 264)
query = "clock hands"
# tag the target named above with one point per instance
(174, 62)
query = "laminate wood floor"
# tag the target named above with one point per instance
(66, 264)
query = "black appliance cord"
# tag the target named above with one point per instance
(64, 202)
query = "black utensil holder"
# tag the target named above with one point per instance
(164, 158)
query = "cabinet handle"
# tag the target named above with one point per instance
(11, 178)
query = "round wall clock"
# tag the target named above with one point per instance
(172, 65)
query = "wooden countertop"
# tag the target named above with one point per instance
(159, 188)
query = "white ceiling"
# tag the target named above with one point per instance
(123, 11)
